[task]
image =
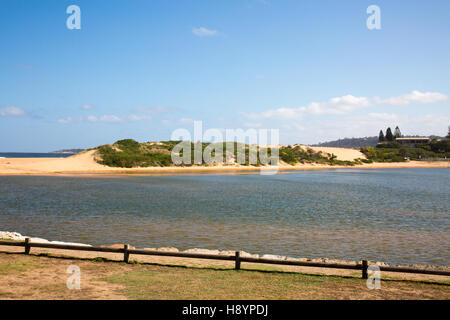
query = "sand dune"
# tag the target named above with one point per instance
(81, 162)
(84, 163)
(341, 153)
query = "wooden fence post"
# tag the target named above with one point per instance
(126, 254)
(27, 246)
(237, 264)
(364, 269)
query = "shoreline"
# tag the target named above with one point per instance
(15, 236)
(84, 163)
(31, 166)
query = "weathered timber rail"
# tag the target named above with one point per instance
(237, 258)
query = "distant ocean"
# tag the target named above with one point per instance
(34, 155)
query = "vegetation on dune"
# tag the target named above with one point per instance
(297, 154)
(129, 153)
(390, 150)
(396, 152)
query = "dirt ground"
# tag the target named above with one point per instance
(44, 276)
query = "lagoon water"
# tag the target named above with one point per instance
(399, 216)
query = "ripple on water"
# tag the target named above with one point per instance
(399, 216)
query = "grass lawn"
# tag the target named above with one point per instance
(43, 277)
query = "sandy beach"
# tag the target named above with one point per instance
(84, 163)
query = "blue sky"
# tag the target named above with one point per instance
(141, 69)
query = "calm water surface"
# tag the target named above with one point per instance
(393, 215)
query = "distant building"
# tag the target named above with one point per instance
(412, 141)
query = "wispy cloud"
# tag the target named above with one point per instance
(66, 120)
(186, 120)
(413, 97)
(104, 118)
(346, 104)
(338, 105)
(134, 117)
(252, 124)
(158, 109)
(86, 107)
(108, 118)
(204, 32)
(370, 125)
(12, 111)
(352, 126)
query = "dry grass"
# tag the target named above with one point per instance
(156, 282)
(43, 277)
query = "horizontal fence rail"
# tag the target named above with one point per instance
(237, 258)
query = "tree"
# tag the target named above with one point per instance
(381, 136)
(389, 135)
(448, 134)
(332, 158)
(397, 133)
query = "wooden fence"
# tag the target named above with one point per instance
(126, 251)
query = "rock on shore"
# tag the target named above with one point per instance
(15, 236)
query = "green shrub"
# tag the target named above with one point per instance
(128, 144)
(394, 152)
(389, 145)
(128, 153)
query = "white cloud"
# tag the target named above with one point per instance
(92, 118)
(186, 120)
(66, 120)
(110, 118)
(413, 97)
(252, 124)
(134, 117)
(86, 107)
(355, 126)
(104, 118)
(294, 126)
(204, 32)
(12, 112)
(338, 105)
(383, 116)
(344, 105)
(158, 109)
(306, 124)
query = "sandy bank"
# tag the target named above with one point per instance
(85, 163)
(5, 235)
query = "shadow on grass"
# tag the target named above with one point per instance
(219, 269)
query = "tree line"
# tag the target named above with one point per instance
(389, 135)
(397, 134)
